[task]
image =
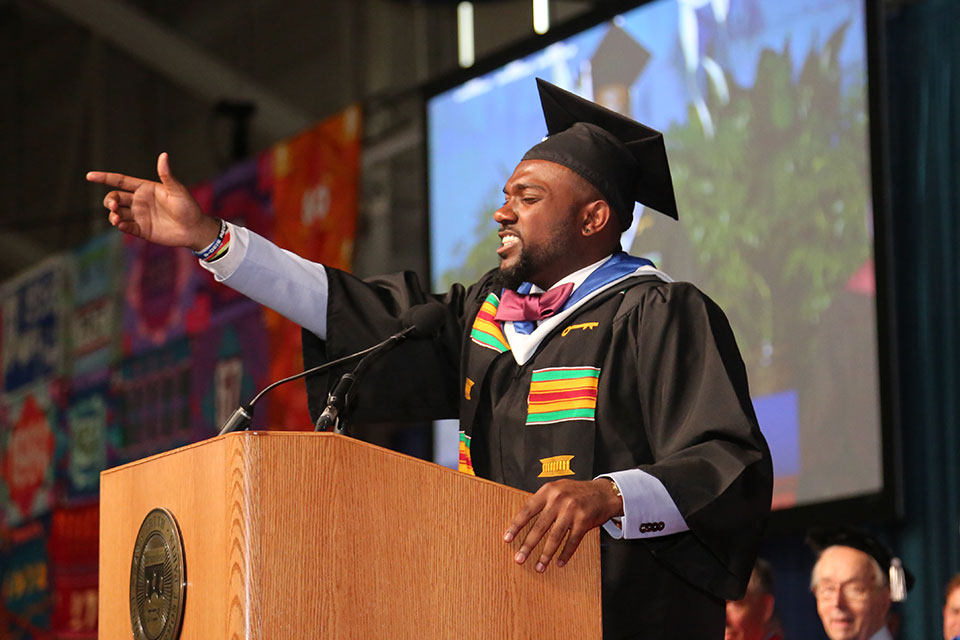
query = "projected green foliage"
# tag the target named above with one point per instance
(480, 256)
(774, 204)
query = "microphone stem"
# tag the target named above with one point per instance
(334, 413)
(241, 418)
(332, 363)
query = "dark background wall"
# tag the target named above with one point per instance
(923, 78)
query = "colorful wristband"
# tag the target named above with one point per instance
(222, 251)
(212, 248)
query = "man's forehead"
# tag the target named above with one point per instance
(844, 563)
(954, 598)
(521, 185)
(541, 173)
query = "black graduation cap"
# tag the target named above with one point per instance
(618, 60)
(901, 580)
(625, 160)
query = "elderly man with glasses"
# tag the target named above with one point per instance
(855, 580)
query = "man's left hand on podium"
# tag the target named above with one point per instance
(563, 509)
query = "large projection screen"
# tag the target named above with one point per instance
(764, 108)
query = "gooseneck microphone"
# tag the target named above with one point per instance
(419, 321)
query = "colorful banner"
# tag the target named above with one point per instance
(75, 605)
(316, 178)
(151, 396)
(74, 536)
(159, 295)
(3, 356)
(33, 310)
(241, 195)
(315, 190)
(25, 583)
(86, 420)
(73, 548)
(234, 352)
(122, 349)
(28, 448)
(93, 275)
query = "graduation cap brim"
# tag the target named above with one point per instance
(627, 158)
(820, 539)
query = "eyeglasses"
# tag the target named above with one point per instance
(854, 591)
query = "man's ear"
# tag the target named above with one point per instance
(596, 216)
(768, 603)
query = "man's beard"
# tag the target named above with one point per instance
(535, 260)
(513, 277)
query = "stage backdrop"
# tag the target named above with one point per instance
(122, 349)
(764, 109)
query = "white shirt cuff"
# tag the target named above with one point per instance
(648, 509)
(225, 266)
(294, 287)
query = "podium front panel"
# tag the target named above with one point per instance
(302, 535)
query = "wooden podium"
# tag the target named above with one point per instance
(292, 535)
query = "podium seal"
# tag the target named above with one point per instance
(157, 579)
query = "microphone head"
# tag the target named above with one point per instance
(425, 319)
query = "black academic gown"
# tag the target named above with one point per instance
(671, 399)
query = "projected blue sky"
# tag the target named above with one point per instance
(479, 131)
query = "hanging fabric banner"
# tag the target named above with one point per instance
(316, 182)
(234, 352)
(150, 392)
(73, 549)
(242, 195)
(94, 274)
(25, 582)
(33, 319)
(28, 447)
(85, 424)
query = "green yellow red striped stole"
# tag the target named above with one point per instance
(560, 394)
(486, 331)
(465, 465)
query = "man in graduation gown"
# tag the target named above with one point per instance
(578, 372)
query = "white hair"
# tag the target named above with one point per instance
(880, 577)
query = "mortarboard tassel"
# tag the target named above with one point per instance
(898, 581)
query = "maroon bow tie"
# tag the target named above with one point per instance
(532, 306)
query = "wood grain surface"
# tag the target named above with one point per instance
(303, 535)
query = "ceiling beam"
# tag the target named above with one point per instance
(182, 62)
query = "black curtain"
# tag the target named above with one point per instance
(923, 98)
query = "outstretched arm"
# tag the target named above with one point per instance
(162, 212)
(166, 213)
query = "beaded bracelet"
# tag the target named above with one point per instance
(213, 246)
